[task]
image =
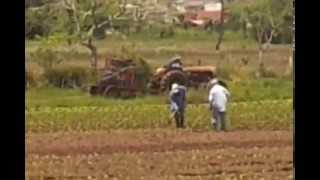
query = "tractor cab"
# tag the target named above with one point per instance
(174, 64)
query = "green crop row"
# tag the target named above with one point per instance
(250, 115)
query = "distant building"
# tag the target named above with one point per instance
(179, 6)
(194, 5)
(200, 12)
(213, 6)
(202, 18)
(207, 5)
(209, 15)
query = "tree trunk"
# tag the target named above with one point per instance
(221, 28)
(93, 52)
(261, 57)
(260, 34)
(221, 33)
(268, 39)
(261, 64)
(263, 46)
(94, 58)
(244, 29)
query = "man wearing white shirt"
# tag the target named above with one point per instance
(218, 99)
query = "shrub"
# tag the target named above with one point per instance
(45, 57)
(39, 22)
(267, 73)
(233, 73)
(143, 74)
(68, 76)
(33, 75)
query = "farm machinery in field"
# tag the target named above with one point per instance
(174, 72)
(120, 78)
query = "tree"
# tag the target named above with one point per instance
(221, 28)
(266, 18)
(39, 21)
(239, 19)
(89, 16)
(37, 3)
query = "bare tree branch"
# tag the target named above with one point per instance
(265, 37)
(93, 12)
(122, 9)
(221, 30)
(259, 37)
(67, 4)
(100, 25)
(271, 36)
(71, 8)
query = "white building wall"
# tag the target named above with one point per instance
(213, 7)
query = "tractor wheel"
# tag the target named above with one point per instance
(127, 93)
(174, 76)
(111, 91)
(153, 87)
(93, 90)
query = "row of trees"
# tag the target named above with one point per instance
(265, 20)
(82, 21)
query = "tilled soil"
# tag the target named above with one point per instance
(160, 154)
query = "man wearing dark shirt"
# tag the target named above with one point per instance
(178, 104)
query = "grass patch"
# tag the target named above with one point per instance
(253, 90)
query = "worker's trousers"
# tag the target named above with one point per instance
(219, 120)
(179, 118)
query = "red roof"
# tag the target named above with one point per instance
(204, 15)
(214, 15)
(190, 15)
(193, 3)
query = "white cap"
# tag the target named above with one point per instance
(175, 58)
(159, 70)
(174, 86)
(214, 81)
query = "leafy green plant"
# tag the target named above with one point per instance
(67, 76)
(47, 58)
(269, 115)
(34, 75)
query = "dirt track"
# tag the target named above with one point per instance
(160, 154)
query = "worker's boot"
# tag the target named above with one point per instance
(218, 124)
(223, 122)
(213, 123)
(177, 119)
(182, 121)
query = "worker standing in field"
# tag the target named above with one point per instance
(218, 99)
(178, 103)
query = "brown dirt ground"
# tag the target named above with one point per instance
(160, 154)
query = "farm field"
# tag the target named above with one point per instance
(265, 105)
(160, 154)
(71, 135)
